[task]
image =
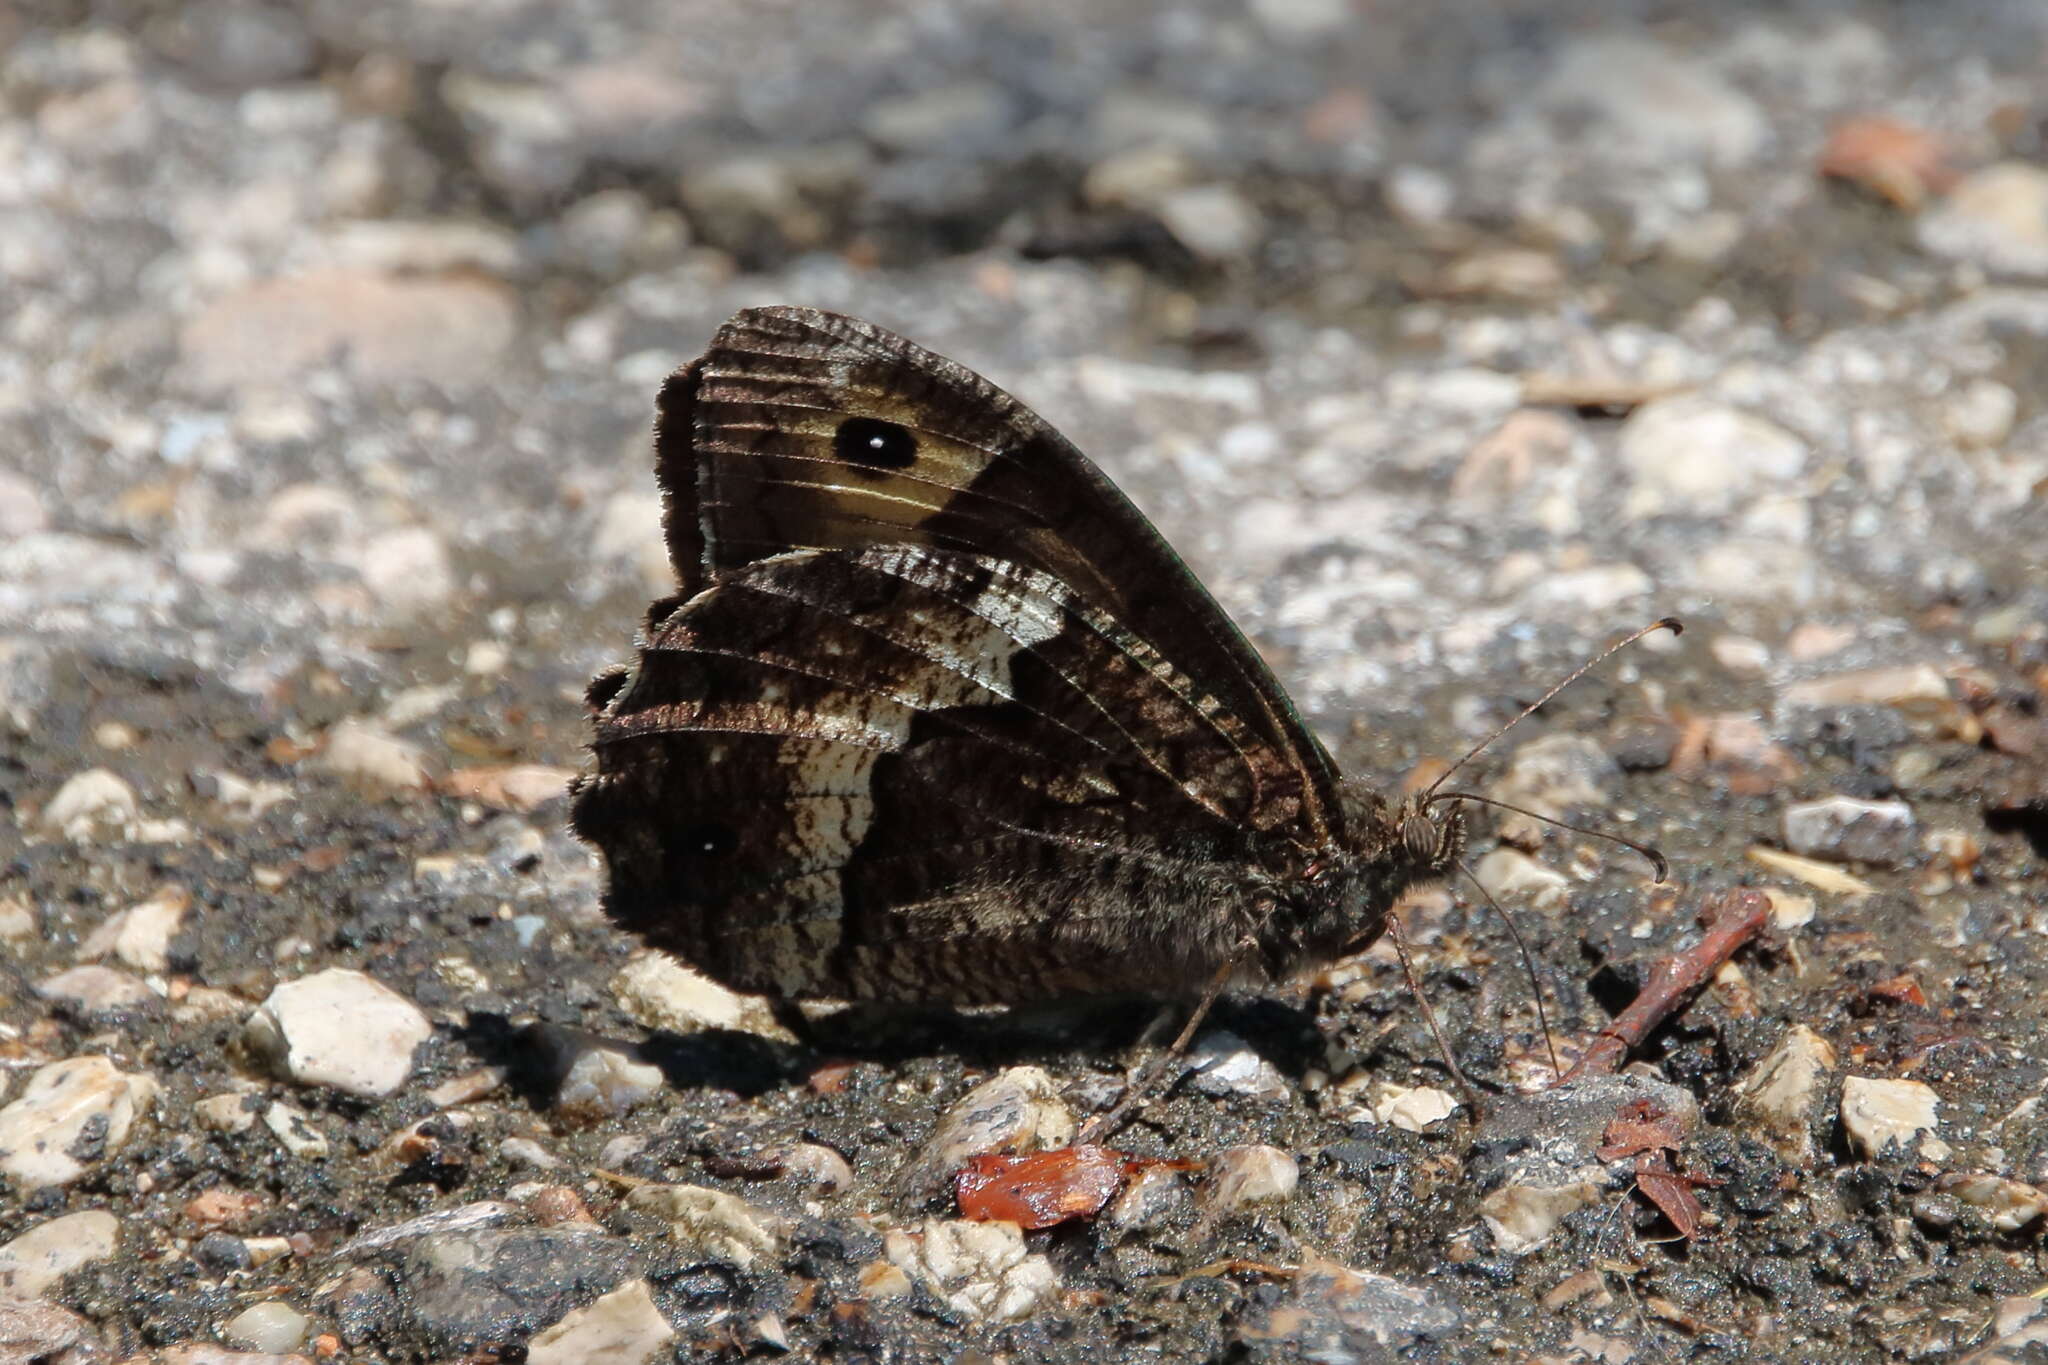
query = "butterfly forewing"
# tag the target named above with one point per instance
(812, 430)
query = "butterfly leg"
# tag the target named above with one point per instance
(1139, 1092)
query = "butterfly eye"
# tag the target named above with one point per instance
(874, 444)
(1419, 835)
(708, 840)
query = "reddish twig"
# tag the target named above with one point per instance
(1731, 920)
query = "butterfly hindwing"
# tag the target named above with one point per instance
(902, 772)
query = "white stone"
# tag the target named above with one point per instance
(408, 570)
(980, 1270)
(603, 1082)
(1652, 104)
(272, 1326)
(658, 992)
(1510, 874)
(623, 1327)
(362, 753)
(816, 1165)
(1844, 828)
(1995, 217)
(46, 1253)
(1780, 1093)
(721, 1225)
(140, 935)
(1876, 1112)
(81, 1105)
(93, 990)
(1213, 221)
(231, 1112)
(90, 802)
(1691, 455)
(1980, 414)
(1522, 1217)
(2010, 1204)
(1225, 1064)
(630, 528)
(295, 1131)
(340, 1028)
(1242, 1177)
(1413, 1108)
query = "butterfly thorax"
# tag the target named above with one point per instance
(1341, 899)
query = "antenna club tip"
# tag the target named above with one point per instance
(1672, 624)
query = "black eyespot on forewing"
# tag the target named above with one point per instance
(872, 444)
(707, 839)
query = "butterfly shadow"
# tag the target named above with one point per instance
(539, 1057)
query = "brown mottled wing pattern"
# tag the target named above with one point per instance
(938, 714)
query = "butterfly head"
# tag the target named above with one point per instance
(1431, 836)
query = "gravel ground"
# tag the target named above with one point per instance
(1445, 341)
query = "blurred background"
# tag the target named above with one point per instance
(1445, 340)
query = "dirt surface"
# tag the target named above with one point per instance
(1446, 342)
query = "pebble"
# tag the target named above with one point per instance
(1694, 456)
(1017, 1110)
(296, 1132)
(722, 1226)
(603, 1082)
(97, 992)
(1215, 222)
(1244, 1177)
(1413, 1109)
(140, 935)
(1980, 414)
(46, 1253)
(815, 1165)
(21, 506)
(17, 919)
(1643, 102)
(1903, 686)
(1995, 217)
(271, 1326)
(1512, 876)
(224, 1207)
(1845, 829)
(339, 1028)
(658, 992)
(1330, 1312)
(1878, 1112)
(34, 1331)
(484, 1213)
(92, 802)
(1226, 1065)
(623, 1326)
(408, 571)
(1523, 1217)
(629, 528)
(2009, 1204)
(70, 1116)
(980, 1270)
(389, 328)
(1782, 1093)
(519, 787)
(361, 753)
(234, 1112)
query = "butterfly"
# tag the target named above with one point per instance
(937, 715)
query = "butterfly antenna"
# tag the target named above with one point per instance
(1528, 967)
(1670, 623)
(1428, 1014)
(1658, 862)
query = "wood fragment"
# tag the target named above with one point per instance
(1731, 919)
